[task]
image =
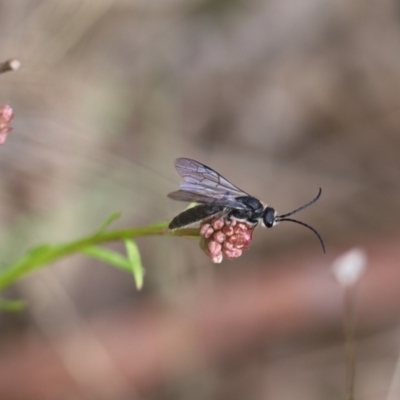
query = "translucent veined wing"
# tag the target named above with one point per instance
(182, 195)
(203, 180)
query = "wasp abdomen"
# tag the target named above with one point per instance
(194, 214)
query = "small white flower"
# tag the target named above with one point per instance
(349, 267)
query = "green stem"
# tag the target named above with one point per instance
(48, 254)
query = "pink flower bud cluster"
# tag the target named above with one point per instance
(6, 115)
(221, 238)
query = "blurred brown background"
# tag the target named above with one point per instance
(281, 97)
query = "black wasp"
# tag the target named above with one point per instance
(217, 197)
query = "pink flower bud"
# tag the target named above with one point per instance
(225, 238)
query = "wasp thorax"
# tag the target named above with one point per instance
(269, 217)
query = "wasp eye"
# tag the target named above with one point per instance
(269, 217)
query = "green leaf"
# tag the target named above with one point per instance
(113, 217)
(12, 305)
(43, 255)
(135, 262)
(108, 256)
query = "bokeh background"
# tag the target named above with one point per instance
(281, 97)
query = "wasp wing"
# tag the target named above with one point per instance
(182, 195)
(202, 180)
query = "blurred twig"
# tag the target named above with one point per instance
(348, 269)
(349, 324)
(394, 388)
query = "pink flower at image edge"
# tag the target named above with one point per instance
(6, 115)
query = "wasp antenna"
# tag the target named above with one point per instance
(302, 207)
(306, 225)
